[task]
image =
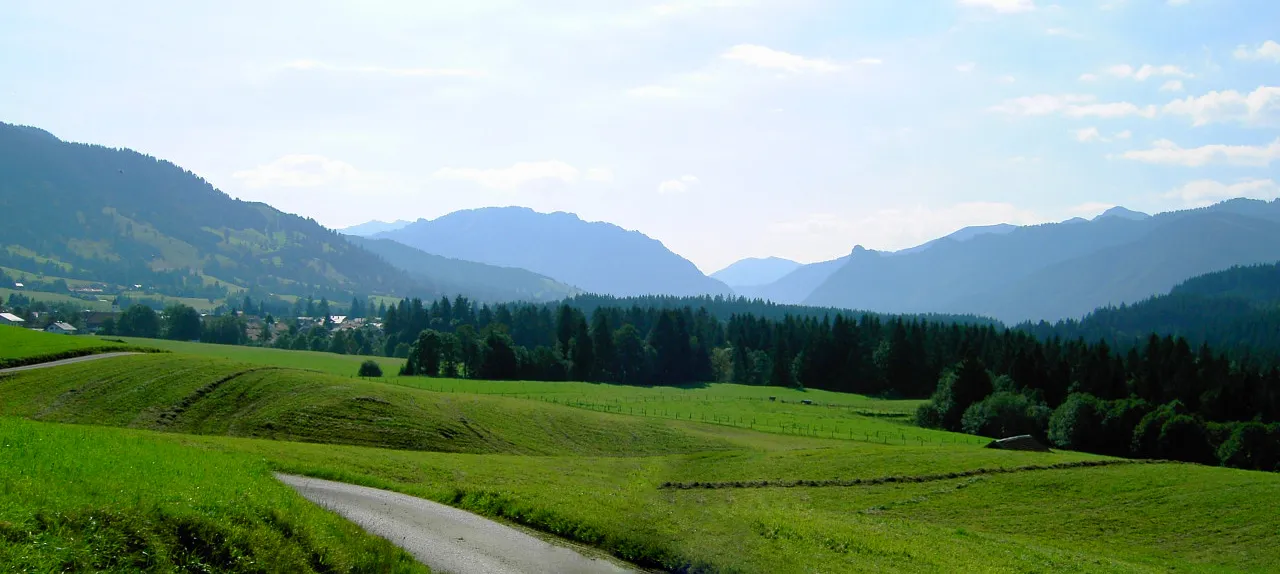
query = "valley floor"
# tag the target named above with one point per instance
(801, 488)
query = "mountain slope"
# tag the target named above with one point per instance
(477, 280)
(596, 257)
(962, 235)
(115, 215)
(797, 285)
(375, 227)
(1056, 271)
(755, 271)
(1236, 310)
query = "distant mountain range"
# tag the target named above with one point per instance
(477, 280)
(1057, 271)
(375, 227)
(796, 286)
(595, 257)
(115, 216)
(753, 272)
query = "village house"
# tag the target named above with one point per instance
(60, 328)
(11, 319)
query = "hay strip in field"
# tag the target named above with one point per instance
(900, 478)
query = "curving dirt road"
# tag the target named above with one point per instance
(445, 538)
(65, 362)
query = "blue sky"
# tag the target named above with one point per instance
(724, 128)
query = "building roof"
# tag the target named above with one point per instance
(63, 326)
(10, 317)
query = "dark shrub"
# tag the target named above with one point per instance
(1146, 436)
(1005, 414)
(1251, 446)
(370, 368)
(1077, 423)
(1184, 437)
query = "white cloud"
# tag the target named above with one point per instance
(600, 174)
(1003, 6)
(1171, 86)
(1093, 134)
(1071, 105)
(1259, 107)
(314, 65)
(656, 92)
(1064, 32)
(1088, 77)
(762, 57)
(966, 67)
(1111, 110)
(678, 185)
(869, 61)
(1268, 50)
(1006, 79)
(1168, 152)
(297, 170)
(1142, 73)
(521, 174)
(1204, 192)
(679, 7)
(1088, 135)
(1040, 105)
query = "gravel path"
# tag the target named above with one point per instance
(65, 362)
(445, 538)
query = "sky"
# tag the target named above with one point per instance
(723, 128)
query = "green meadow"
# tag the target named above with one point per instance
(20, 346)
(760, 486)
(92, 499)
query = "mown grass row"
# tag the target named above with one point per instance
(917, 478)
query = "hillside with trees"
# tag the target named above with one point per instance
(1236, 311)
(117, 216)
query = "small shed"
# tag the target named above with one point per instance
(11, 319)
(60, 328)
(1020, 442)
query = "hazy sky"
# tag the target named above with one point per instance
(724, 128)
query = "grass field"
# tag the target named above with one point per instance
(20, 346)
(636, 472)
(775, 410)
(346, 365)
(95, 305)
(95, 500)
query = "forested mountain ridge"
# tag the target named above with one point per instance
(1236, 311)
(375, 227)
(485, 283)
(1058, 271)
(596, 257)
(114, 215)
